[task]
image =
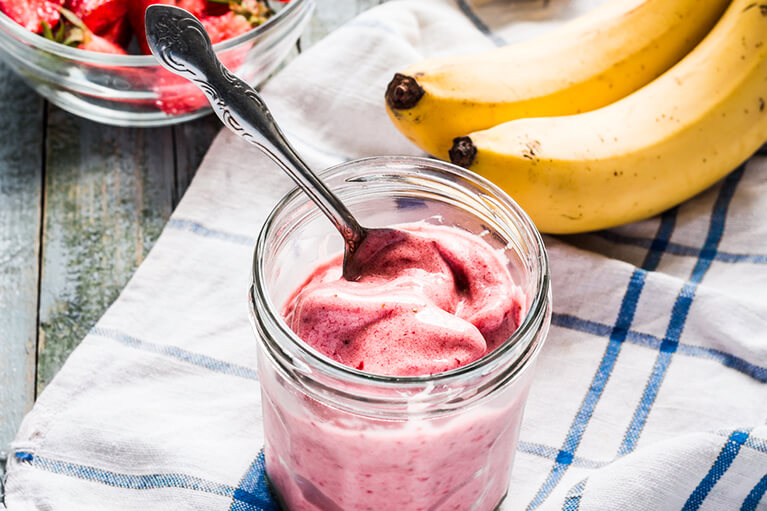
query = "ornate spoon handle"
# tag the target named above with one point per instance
(181, 44)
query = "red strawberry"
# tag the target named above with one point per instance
(221, 28)
(136, 10)
(31, 14)
(118, 32)
(72, 31)
(177, 95)
(98, 15)
(196, 7)
(216, 7)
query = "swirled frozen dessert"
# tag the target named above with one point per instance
(438, 300)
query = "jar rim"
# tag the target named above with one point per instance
(258, 293)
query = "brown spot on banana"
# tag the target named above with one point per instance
(531, 149)
(762, 8)
(403, 92)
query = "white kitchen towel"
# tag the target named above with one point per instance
(650, 392)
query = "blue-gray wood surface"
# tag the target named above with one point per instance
(80, 206)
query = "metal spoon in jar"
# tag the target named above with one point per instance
(181, 44)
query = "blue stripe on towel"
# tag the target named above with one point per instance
(178, 353)
(466, 9)
(727, 359)
(717, 470)
(757, 444)
(752, 442)
(755, 495)
(681, 250)
(551, 453)
(680, 311)
(128, 481)
(573, 498)
(660, 243)
(253, 492)
(191, 226)
(650, 341)
(618, 334)
(578, 426)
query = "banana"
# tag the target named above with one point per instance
(588, 63)
(646, 152)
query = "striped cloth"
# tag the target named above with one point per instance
(649, 395)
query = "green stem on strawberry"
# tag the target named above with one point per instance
(73, 32)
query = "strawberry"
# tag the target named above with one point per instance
(136, 10)
(216, 7)
(221, 28)
(72, 31)
(32, 14)
(98, 15)
(118, 32)
(196, 7)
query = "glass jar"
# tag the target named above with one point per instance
(337, 438)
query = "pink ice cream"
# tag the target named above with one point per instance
(329, 460)
(439, 300)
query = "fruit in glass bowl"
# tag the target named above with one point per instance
(86, 55)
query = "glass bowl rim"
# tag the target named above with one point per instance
(535, 315)
(91, 57)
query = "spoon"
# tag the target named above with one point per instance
(181, 44)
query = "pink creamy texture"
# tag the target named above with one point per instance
(327, 460)
(437, 301)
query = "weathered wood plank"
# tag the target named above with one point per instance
(108, 194)
(21, 160)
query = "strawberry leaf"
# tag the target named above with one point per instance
(72, 18)
(60, 33)
(74, 37)
(47, 32)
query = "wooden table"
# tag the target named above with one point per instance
(80, 206)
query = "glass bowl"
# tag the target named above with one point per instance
(133, 90)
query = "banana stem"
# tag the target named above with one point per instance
(403, 92)
(463, 152)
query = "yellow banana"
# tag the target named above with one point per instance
(590, 62)
(645, 153)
